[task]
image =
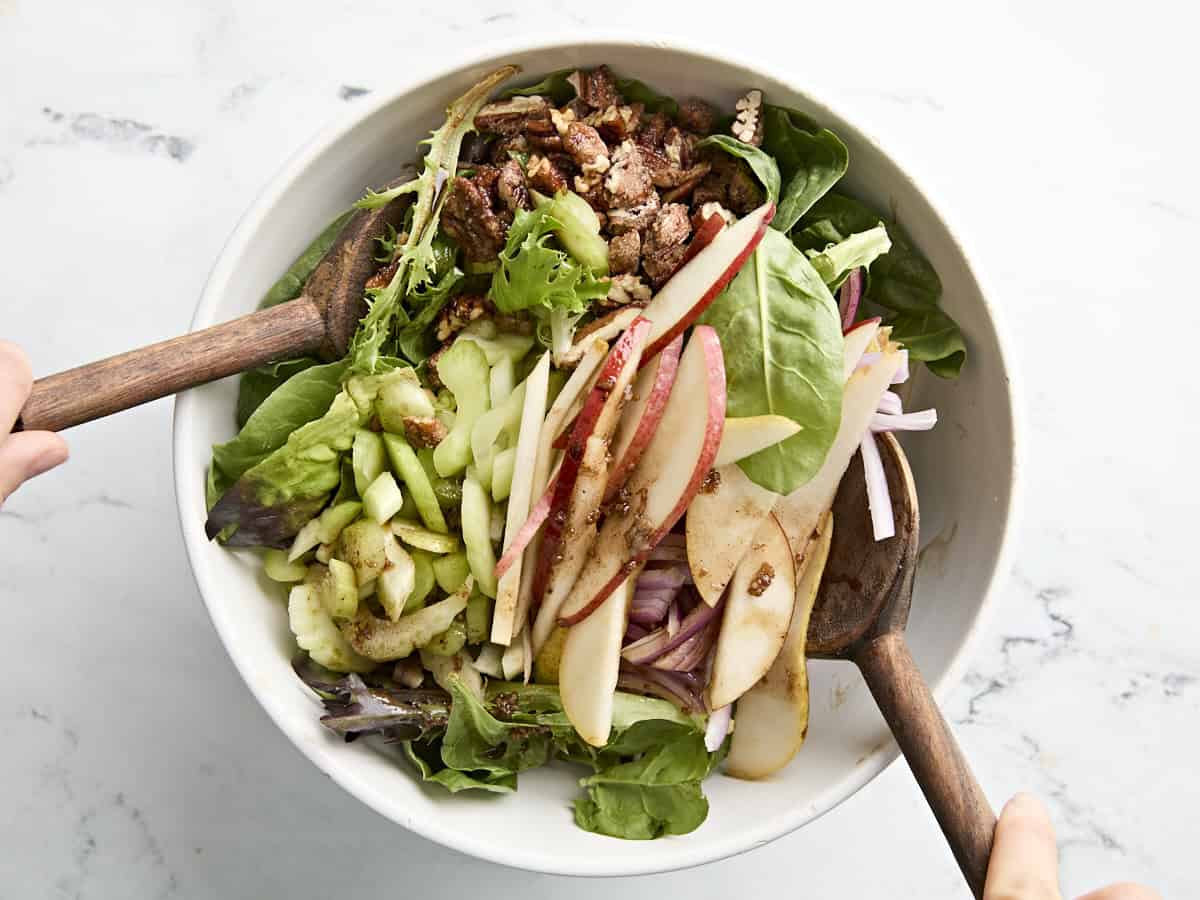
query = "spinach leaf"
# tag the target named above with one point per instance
(900, 281)
(424, 755)
(476, 741)
(290, 284)
(782, 336)
(304, 397)
(834, 263)
(258, 384)
(763, 166)
(810, 160)
(635, 91)
(534, 274)
(555, 86)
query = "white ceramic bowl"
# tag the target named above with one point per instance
(965, 469)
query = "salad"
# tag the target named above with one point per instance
(566, 497)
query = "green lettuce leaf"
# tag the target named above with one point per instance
(415, 340)
(258, 384)
(554, 85)
(811, 160)
(635, 91)
(836, 261)
(900, 281)
(290, 284)
(424, 756)
(534, 274)
(476, 741)
(763, 166)
(782, 336)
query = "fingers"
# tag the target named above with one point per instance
(1123, 891)
(26, 455)
(16, 380)
(1024, 864)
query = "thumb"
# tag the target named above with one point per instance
(1024, 864)
(26, 454)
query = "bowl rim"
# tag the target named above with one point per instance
(532, 859)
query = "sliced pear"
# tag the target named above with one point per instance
(587, 671)
(772, 717)
(721, 523)
(758, 608)
(747, 435)
(546, 663)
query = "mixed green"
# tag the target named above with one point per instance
(416, 495)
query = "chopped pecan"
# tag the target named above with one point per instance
(748, 126)
(510, 186)
(469, 219)
(545, 176)
(589, 151)
(673, 147)
(596, 88)
(476, 148)
(383, 277)
(634, 218)
(460, 312)
(680, 192)
(616, 123)
(664, 249)
(662, 264)
(542, 135)
(628, 181)
(624, 252)
(431, 364)
(626, 289)
(424, 431)
(652, 129)
(696, 115)
(667, 174)
(732, 184)
(562, 119)
(503, 148)
(486, 177)
(512, 116)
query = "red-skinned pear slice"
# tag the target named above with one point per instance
(639, 421)
(520, 496)
(721, 523)
(582, 478)
(772, 717)
(700, 280)
(758, 608)
(666, 479)
(747, 435)
(705, 234)
(587, 669)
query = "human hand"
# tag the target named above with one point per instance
(1024, 863)
(27, 453)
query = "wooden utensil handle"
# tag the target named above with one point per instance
(129, 379)
(932, 752)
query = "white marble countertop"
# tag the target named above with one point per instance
(133, 134)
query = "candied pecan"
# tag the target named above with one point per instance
(628, 181)
(545, 176)
(596, 88)
(624, 252)
(731, 184)
(662, 264)
(424, 431)
(513, 115)
(652, 130)
(459, 312)
(588, 149)
(476, 148)
(542, 135)
(745, 193)
(680, 192)
(562, 119)
(468, 218)
(667, 174)
(503, 148)
(383, 277)
(673, 147)
(748, 126)
(664, 249)
(634, 218)
(696, 115)
(616, 123)
(510, 186)
(431, 364)
(486, 177)
(626, 289)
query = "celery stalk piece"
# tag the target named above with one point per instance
(337, 517)
(488, 660)
(408, 468)
(383, 641)
(336, 587)
(279, 568)
(495, 429)
(383, 499)
(363, 545)
(401, 399)
(502, 380)
(423, 538)
(367, 458)
(479, 618)
(578, 229)
(449, 641)
(503, 464)
(476, 530)
(451, 571)
(424, 579)
(397, 580)
(464, 370)
(306, 538)
(316, 633)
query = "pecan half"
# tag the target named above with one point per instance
(469, 219)
(512, 116)
(624, 252)
(696, 115)
(628, 181)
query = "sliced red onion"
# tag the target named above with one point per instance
(868, 359)
(849, 296)
(691, 653)
(649, 607)
(878, 498)
(901, 375)
(890, 403)
(658, 642)
(664, 578)
(673, 618)
(680, 690)
(718, 727)
(634, 632)
(923, 420)
(668, 553)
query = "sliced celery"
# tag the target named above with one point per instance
(363, 545)
(408, 467)
(464, 369)
(423, 538)
(423, 579)
(476, 531)
(383, 499)
(479, 618)
(306, 538)
(399, 400)
(397, 580)
(368, 459)
(494, 430)
(503, 464)
(337, 517)
(502, 380)
(280, 568)
(451, 571)
(449, 641)
(336, 588)
(579, 229)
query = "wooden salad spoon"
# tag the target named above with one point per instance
(860, 615)
(321, 320)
